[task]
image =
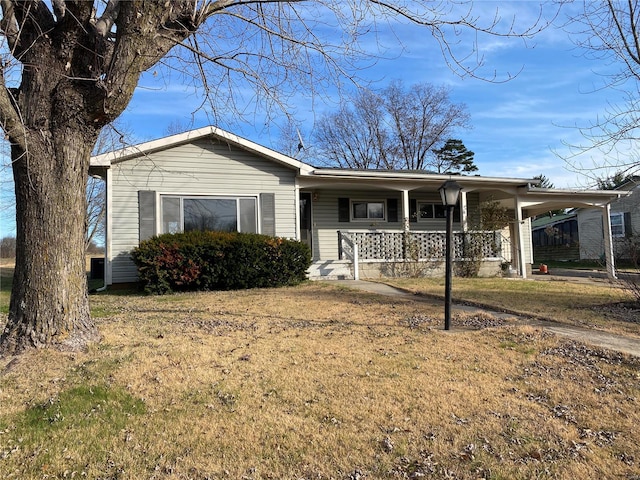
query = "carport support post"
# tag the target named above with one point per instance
(608, 244)
(520, 239)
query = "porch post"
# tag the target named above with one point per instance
(520, 239)
(464, 219)
(608, 242)
(405, 224)
(296, 207)
(405, 210)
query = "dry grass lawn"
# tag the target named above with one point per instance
(590, 304)
(315, 382)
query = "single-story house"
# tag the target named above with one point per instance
(210, 178)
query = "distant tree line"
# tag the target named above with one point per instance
(8, 247)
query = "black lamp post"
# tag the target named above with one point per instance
(449, 192)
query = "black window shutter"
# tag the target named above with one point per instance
(628, 231)
(392, 209)
(413, 210)
(268, 214)
(146, 214)
(343, 210)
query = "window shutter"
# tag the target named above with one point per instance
(413, 210)
(268, 214)
(146, 214)
(628, 231)
(392, 209)
(343, 210)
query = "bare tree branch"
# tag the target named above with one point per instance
(9, 23)
(108, 19)
(608, 32)
(10, 119)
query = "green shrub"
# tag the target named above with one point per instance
(219, 261)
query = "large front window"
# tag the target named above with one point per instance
(226, 214)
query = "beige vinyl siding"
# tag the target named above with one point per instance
(326, 224)
(591, 233)
(631, 205)
(205, 167)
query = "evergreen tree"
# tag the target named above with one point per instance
(454, 157)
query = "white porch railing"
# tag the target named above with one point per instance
(349, 249)
(395, 245)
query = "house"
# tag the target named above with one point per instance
(357, 222)
(580, 233)
(625, 224)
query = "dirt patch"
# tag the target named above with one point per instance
(621, 311)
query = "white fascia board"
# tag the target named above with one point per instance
(589, 197)
(428, 177)
(142, 149)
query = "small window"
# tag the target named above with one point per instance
(364, 210)
(425, 210)
(428, 211)
(617, 225)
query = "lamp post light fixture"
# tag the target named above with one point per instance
(449, 192)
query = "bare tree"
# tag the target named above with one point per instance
(609, 33)
(70, 67)
(396, 128)
(355, 136)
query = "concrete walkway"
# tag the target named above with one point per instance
(619, 343)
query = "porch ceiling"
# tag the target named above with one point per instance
(540, 200)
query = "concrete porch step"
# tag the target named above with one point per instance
(331, 270)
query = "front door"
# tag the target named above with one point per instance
(305, 219)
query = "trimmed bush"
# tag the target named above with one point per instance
(219, 261)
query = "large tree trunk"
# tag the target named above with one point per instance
(49, 301)
(76, 77)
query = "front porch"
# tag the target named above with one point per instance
(375, 253)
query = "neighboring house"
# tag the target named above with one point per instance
(580, 233)
(625, 224)
(209, 178)
(556, 237)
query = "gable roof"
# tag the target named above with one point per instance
(533, 198)
(135, 151)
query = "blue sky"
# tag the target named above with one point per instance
(519, 127)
